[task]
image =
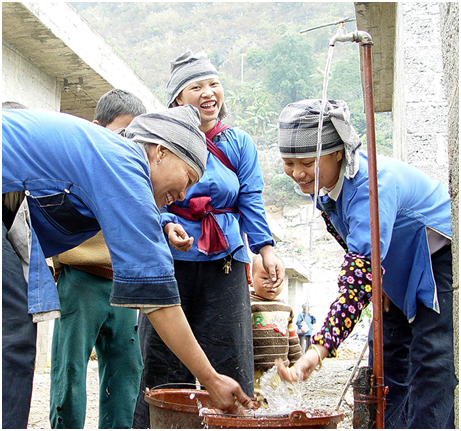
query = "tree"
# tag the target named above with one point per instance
(253, 110)
(287, 68)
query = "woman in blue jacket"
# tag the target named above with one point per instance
(64, 179)
(415, 241)
(206, 233)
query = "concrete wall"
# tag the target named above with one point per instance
(419, 104)
(449, 29)
(24, 82)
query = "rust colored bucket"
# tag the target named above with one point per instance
(314, 418)
(176, 408)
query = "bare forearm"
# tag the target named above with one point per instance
(172, 326)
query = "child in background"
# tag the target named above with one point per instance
(274, 328)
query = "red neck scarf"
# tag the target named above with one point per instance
(212, 239)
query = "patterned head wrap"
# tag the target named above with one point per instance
(176, 129)
(187, 69)
(298, 130)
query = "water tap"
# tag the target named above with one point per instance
(354, 36)
(342, 35)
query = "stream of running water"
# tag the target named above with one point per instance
(326, 79)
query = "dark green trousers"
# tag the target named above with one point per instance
(89, 320)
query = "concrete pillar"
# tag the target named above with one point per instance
(449, 30)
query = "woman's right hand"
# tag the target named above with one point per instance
(173, 328)
(228, 396)
(178, 237)
(303, 368)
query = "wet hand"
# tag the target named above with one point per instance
(227, 395)
(299, 371)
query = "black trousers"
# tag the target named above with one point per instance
(217, 307)
(19, 336)
(418, 359)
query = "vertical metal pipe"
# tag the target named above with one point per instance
(375, 244)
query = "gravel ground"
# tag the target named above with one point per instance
(323, 389)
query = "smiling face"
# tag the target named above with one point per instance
(302, 171)
(170, 176)
(207, 96)
(262, 284)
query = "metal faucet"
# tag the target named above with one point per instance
(354, 36)
(341, 35)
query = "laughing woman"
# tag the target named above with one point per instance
(206, 237)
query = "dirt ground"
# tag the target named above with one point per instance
(323, 389)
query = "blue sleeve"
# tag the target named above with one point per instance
(299, 320)
(131, 225)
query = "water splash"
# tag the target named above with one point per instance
(282, 397)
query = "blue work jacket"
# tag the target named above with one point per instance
(409, 202)
(80, 178)
(241, 190)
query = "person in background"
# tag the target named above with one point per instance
(304, 324)
(13, 105)
(415, 242)
(63, 180)
(206, 234)
(88, 320)
(274, 330)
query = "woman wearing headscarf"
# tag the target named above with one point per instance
(64, 179)
(415, 242)
(206, 233)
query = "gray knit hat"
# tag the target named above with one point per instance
(298, 131)
(187, 69)
(176, 129)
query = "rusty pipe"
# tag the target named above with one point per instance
(374, 231)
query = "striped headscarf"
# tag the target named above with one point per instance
(187, 69)
(298, 130)
(176, 129)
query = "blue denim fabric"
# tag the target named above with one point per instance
(18, 341)
(418, 359)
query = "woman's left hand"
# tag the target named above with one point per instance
(273, 265)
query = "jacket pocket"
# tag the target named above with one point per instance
(62, 214)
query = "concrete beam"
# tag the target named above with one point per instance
(54, 37)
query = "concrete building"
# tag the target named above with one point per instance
(415, 60)
(53, 60)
